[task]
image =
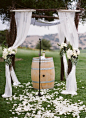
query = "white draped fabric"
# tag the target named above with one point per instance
(71, 86)
(68, 30)
(40, 22)
(65, 65)
(23, 20)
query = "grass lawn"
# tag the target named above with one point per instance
(53, 102)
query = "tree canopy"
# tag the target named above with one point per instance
(3, 35)
(6, 5)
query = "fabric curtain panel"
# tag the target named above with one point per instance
(68, 30)
(40, 22)
(23, 20)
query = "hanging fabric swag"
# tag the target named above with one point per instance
(68, 30)
(23, 20)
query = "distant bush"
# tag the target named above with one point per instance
(81, 42)
(45, 44)
(85, 48)
(80, 48)
(56, 40)
(3, 37)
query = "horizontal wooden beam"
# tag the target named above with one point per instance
(46, 9)
(42, 16)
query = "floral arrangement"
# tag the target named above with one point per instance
(72, 53)
(7, 55)
(63, 48)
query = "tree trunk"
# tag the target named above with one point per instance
(77, 17)
(69, 66)
(62, 67)
(11, 36)
(13, 32)
(62, 70)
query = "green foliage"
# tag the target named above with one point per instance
(3, 35)
(83, 4)
(45, 44)
(8, 61)
(69, 46)
(6, 5)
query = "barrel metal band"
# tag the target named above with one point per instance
(43, 81)
(42, 68)
(43, 59)
(43, 88)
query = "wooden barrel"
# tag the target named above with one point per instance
(47, 73)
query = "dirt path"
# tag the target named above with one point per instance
(16, 59)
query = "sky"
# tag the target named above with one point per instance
(37, 30)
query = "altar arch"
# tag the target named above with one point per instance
(23, 19)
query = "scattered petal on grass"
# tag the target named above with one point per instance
(83, 87)
(50, 105)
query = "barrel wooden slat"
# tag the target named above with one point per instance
(47, 73)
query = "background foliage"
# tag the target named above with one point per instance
(45, 44)
(3, 35)
(6, 5)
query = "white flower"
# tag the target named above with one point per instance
(63, 45)
(77, 51)
(75, 54)
(13, 52)
(4, 56)
(5, 53)
(5, 50)
(8, 51)
(69, 53)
